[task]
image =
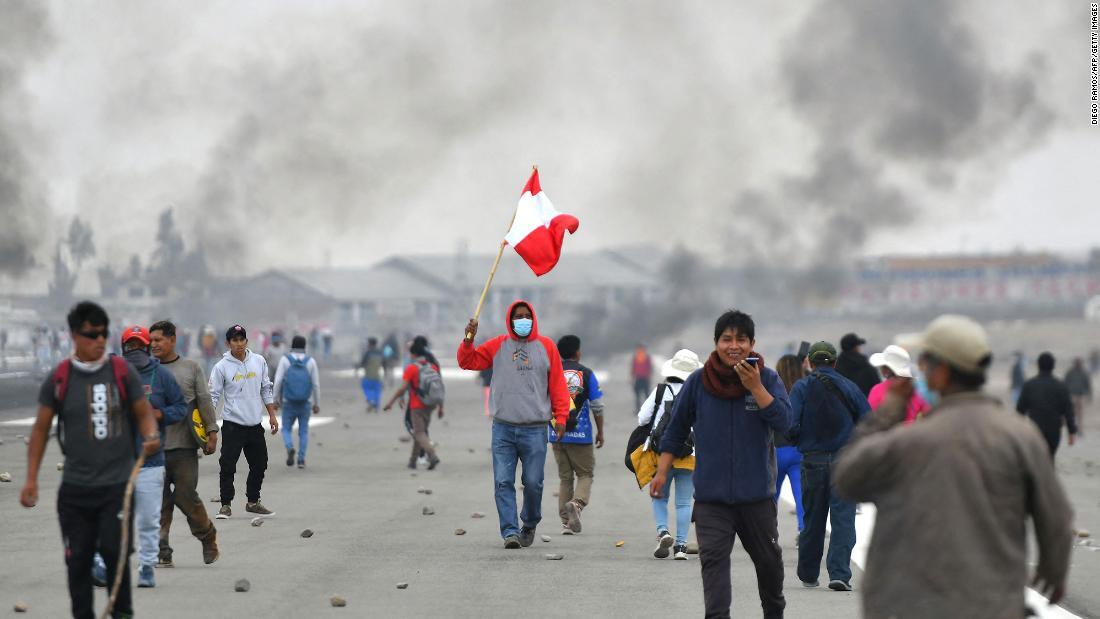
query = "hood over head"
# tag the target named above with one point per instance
(534, 320)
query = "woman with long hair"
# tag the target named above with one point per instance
(788, 459)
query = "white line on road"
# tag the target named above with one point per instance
(313, 422)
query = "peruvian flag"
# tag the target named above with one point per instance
(538, 229)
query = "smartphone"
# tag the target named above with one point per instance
(752, 360)
(803, 350)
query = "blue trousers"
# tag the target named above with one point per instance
(513, 445)
(789, 464)
(685, 490)
(300, 412)
(821, 502)
(372, 390)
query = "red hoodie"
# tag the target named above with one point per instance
(528, 386)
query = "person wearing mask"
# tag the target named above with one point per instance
(788, 459)
(181, 459)
(298, 392)
(895, 364)
(733, 404)
(528, 391)
(1046, 401)
(955, 492)
(1079, 384)
(418, 413)
(242, 380)
(826, 407)
(854, 365)
(657, 409)
(102, 414)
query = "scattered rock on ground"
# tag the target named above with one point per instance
(620, 544)
(402, 585)
(61, 466)
(242, 586)
(427, 511)
(338, 601)
(477, 515)
(216, 499)
(692, 548)
(472, 450)
(5, 477)
(460, 531)
(256, 522)
(307, 533)
(1083, 533)
(546, 538)
(20, 607)
(554, 557)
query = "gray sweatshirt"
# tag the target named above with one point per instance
(196, 393)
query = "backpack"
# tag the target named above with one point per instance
(658, 431)
(639, 435)
(297, 384)
(430, 384)
(61, 374)
(575, 373)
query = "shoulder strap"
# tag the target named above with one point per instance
(831, 387)
(61, 381)
(658, 398)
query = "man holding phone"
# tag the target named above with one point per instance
(734, 404)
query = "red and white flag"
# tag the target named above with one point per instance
(538, 229)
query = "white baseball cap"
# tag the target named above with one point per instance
(896, 358)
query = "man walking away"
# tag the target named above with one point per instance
(641, 371)
(371, 363)
(955, 492)
(1079, 384)
(241, 379)
(734, 404)
(181, 459)
(574, 452)
(297, 385)
(424, 384)
(1046, 401)
(854, 365)
(527, 392)
(826, 407)
(102, 414)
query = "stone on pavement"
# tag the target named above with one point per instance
(307, 533)
(460, 531)
(477, 515)
(427, 511)
(242, 586)
(554, 557)
(546, 538)
(338, 601)
(5, 477)
(256, 522)
(402, 585)
(20, 607)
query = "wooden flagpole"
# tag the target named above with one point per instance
(496, 263)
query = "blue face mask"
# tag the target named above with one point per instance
(522, 326)
(921, 385)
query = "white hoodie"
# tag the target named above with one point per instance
(245, 385)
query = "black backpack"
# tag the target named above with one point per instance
(658, 432)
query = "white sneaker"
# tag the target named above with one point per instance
(565, 530)
(664, 542)
(680, 551)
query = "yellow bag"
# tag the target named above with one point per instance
(645, 465)
(198, 428)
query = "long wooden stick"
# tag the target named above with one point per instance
(122, 565)
(496, 263)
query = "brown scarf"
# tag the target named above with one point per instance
(722, 381)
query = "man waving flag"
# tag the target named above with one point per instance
(538, 230)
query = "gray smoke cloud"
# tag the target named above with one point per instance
(24, 37)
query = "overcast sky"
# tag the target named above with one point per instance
(352, 130)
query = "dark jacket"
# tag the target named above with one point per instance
(734, 455)
(856, 368)
(820, 422)
(1078, 382)
(1046, 401)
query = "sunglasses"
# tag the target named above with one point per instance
(93, 334)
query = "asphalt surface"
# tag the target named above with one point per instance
(365, 509)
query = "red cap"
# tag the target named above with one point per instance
(136, 332)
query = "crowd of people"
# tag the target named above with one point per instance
(719, 432)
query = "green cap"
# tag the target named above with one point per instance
(822, 352)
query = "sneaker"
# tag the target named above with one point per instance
(210, 551)
(290, 457)
(301, 464)
(165, 562)
(680, 552)
(512, 542)
(99, 571)
(664, 542)
(573, 513)
(526, 537)
(810, 585)
(839, 585)
(258, 509)
(433, 463)
(224, 513)
(146, 577)
(565, 530)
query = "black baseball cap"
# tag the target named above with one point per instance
(850, 341)
(235, 331)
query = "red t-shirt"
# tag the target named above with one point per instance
(412, 376)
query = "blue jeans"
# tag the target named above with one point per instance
(148, 495)
(372, 390)
(820, 501)
(789, 464)
(296, 411)
(685, 489)
(512, 445)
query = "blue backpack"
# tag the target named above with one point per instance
(297, 384)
